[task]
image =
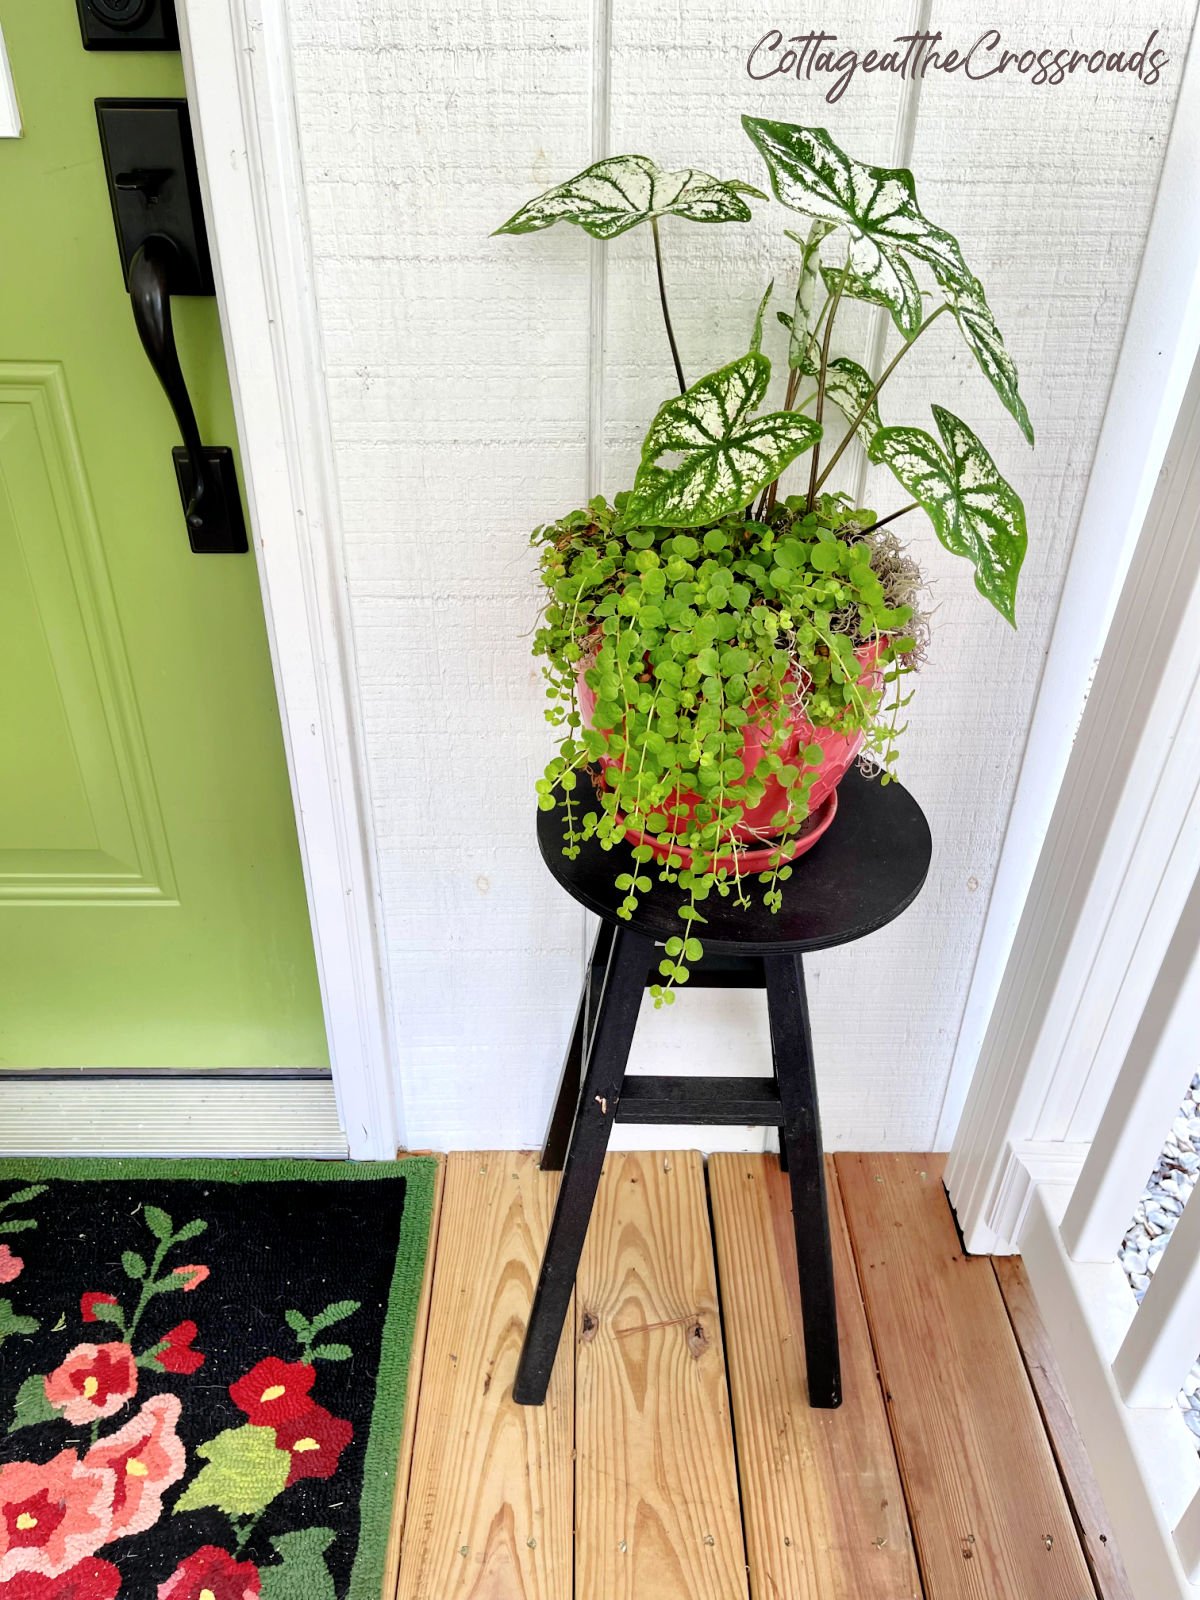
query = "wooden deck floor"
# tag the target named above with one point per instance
(677, 1458)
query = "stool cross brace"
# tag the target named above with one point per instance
(595, 1093)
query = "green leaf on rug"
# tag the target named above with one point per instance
(331, 1352)
(158, 1222)
(31, 1405)
(245, 1471)
(335, 1312)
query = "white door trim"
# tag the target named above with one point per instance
(1162, 336)
(237, 62)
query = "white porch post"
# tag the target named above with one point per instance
(1119, 859)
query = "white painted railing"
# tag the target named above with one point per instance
(1093, 1042)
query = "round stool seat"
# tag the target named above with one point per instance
(866, 870)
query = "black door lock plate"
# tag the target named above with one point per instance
(153, 184)
(128, 24)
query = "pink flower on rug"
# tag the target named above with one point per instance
(146, 1457)
(316, 1439)
(94, 1381)
(90, 1579)
(179, 1355)
(274, 1391)
(211, 1573)
(11, 1266)
(194, 1274)
(52, 1516)
(89, 1301)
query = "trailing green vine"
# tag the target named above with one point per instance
(683, 638)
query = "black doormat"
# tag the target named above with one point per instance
(202, 1375)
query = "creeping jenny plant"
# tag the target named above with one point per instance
(703, 600)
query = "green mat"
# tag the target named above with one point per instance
(203, 1368)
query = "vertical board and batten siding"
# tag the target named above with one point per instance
(472, 380)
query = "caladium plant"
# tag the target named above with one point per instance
(703, 598)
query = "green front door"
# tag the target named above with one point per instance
(152, 909)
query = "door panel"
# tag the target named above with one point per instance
(152, 908)
(80, 823)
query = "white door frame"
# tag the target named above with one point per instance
(237, 63)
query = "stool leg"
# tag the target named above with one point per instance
(791, 1047)
(624, 983)
(558, 1133)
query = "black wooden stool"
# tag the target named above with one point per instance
(866, 870)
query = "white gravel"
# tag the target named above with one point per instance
(1159, 1209)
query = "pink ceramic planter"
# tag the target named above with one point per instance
(840, 750)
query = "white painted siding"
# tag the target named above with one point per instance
(472, 380)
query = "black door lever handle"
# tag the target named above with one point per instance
(150, 292)
(207, 477)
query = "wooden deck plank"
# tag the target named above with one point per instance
(989, 1513)
(416, 1364)
(656, 1483)
(1103, 1557)
(821, 1496)
(490, 1496)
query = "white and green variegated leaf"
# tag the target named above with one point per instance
(877, 205)
(756, 335)
(616, 194)
(804, 313)
(721, 453)
(898, 292)
(978, 325)
(848, 385)
(974, 512)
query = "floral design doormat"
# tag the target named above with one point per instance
(202, 1375)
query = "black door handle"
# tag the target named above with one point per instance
(207, 476)
(150, 292)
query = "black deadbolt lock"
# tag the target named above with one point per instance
(128, 24)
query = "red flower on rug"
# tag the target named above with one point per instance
(195, 1276)
(94, 1381)
(146, 1457)
(90, 1579)
(52, 1516)
(212, 1574)
(11, 1266)
(274, 1391)
(88, 1301)
(316, 1439)
(179, 1356)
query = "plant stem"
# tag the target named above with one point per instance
(795, 378)
(813, 481)
(148, 1283)
(883, 521)
(883, 378)
(662, 295)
